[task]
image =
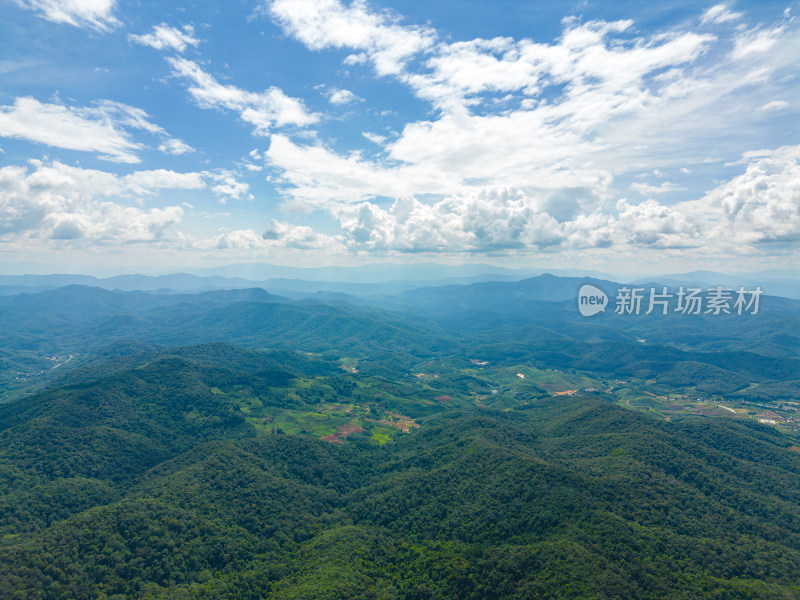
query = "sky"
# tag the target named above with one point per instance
(622, 136)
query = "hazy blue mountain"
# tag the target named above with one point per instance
(360, 274)
(178, 282)
(775, 282)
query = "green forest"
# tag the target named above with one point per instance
(213, 471)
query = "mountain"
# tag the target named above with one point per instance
(177, 282)
(775, 282)
(536, 319)
(379, 273)
(154, 481)
(475, 441)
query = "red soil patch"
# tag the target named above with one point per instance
(402, 423)
(343, 431)
(444, 398)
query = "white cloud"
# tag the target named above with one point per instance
(755, 42)
(239, 239)
(278, 236)
(374, 137)
(551, 124)
(262, 110)
(500, 219)
(654, 225)
(88, 130)
(95, 14)
(720, 13)
(462, 69)
(228, 187)
(408, 226)
(109, 221)
(547, 145)
(330, 24)
(762, 204)
(297, 236)
(520, 152)
(175, 146)
(167, 37)
(665, 187)
(504, 220)
(103, 128)
(318, 176)
(339, 96)
(774, 105)
(149, 182)
(57, 201)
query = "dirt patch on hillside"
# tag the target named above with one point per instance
(402, 423)
(343, 431)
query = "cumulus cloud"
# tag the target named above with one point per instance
(239, 239)
(262, 110)
(554, 122)
(652, 224)
(278, 235)
(297, 236)
(486, 220)
(763, 203)
(507, 219)
(338, 96)
(519, 152)
(104, 128)
(58, 201)
(166, 37)
(94, 14)
(228, 187)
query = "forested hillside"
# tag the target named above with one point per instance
(148, 477)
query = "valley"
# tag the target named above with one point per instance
(236, 444)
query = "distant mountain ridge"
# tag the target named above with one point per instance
(535, 318)
(372, 281)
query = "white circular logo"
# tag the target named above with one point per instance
(591, 300)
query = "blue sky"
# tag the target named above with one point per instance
(621, 136)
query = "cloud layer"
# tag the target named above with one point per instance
(104, 128)
(59, 202)
(94, 14)
(262, 110)
(396, 138)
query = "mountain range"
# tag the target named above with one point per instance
(478, 440)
